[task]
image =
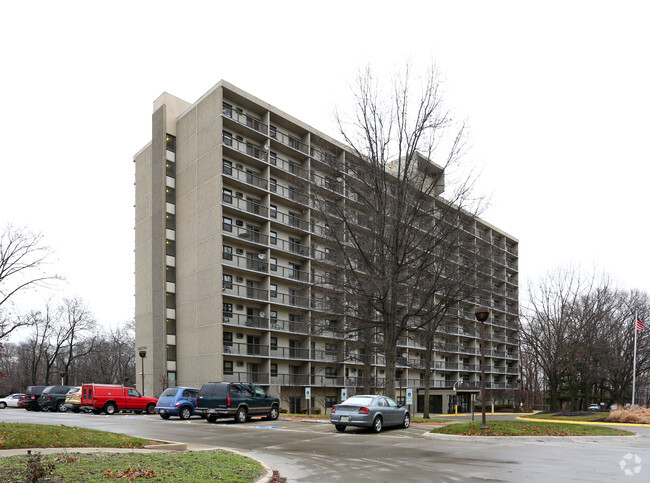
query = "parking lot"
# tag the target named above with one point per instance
(314, 451)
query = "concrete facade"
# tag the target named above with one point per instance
(225, 251)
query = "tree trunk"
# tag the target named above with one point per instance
(427, 376)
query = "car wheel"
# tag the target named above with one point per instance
(407, 421)
(274, 413)
(376, 424)
(96, 411)
(60, 407)
(164, 416)
(3, 405)
(151, 408)
(110, 408)
(241, 415)
(211, 418)
(185, 413)
(339, 427)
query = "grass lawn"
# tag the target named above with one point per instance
(199, 466)
(182, 466)
(528, 428)
(592, 416)
(327, 417)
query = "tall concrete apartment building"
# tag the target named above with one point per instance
(226, 254)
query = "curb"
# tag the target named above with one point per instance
(541, 439)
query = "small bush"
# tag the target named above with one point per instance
(316, 411)
(630, 415)
(283, 411)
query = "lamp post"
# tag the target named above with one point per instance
(482, 313)
(143, 353)
(62, 374)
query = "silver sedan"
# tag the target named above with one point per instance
(369, 411)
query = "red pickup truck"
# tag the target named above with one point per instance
(113, 398)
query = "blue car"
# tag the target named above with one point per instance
(177, 401)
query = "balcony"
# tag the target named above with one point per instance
(245, 233)
(331, 184)
(246, 292)
(249, 206)
(293, 326)
(290, 193)
(291, 219)
(290, 273)
(242, 320)
(290, 167)
(244, 119)
(245, 176)
(244, 349)
(295, 300)
(254, 264)
(248, 377)
(290, 379)
(289, 353)
(288, 140)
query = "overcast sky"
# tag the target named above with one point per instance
(556, 94)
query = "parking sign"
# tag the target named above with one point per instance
(409, 396)
(308, 393)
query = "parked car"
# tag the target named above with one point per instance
(234, 399)
(369, 411)
(73, 399)
(11, 400)
(32, 393)
(594, 407)
(53, 398)
(113, 398)
(177, 401)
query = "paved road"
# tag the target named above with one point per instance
(315, 452)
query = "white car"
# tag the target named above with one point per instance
(11, 400)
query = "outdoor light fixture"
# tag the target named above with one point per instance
(482, 313)
(143, 353)
(62, 374)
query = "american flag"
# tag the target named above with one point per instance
(639, 325)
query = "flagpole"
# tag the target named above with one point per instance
(636, 317)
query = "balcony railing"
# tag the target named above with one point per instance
(248, 377)
(244, 349)
(249, 206)
(245, 147)
(290, 299)
(244, 119)
(245, 291)
(288, 140)
(244, 233)
(289, 353)
(244, 176)
(294, 326)
(290, 193)
(290, 167)
(243, 320)
(291, 273)
(245, 262)
(290, 246)
(291, 219)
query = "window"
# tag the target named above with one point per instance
(274, 158)
(273, 184)
(227, 195)
(227, 167)
(227, 252)
(273, 132)
(330, 401)
(294, 271)
(274, 317)
(330, 372)
(274, 370)
(227, 281)
(274, 343)
(227, 109)
(227, 224)
(227, 138)
(330, 349)
(227, 309)
(132, 393)
(227, 367)
(294, 245)
(171, 352)
(274, 290)
(274, 211)
(294, 219)
(273, 264)
(171, 143)
(273, 237)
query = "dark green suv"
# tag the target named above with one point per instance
(53, 398)
(234, 399)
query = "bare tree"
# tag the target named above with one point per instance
(392, 232)
(22, 260)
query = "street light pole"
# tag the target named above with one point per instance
(143, 353)
(482, 313)
(62, 374)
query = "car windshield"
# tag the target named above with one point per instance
(359, 400)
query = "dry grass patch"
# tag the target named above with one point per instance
(629, 415)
